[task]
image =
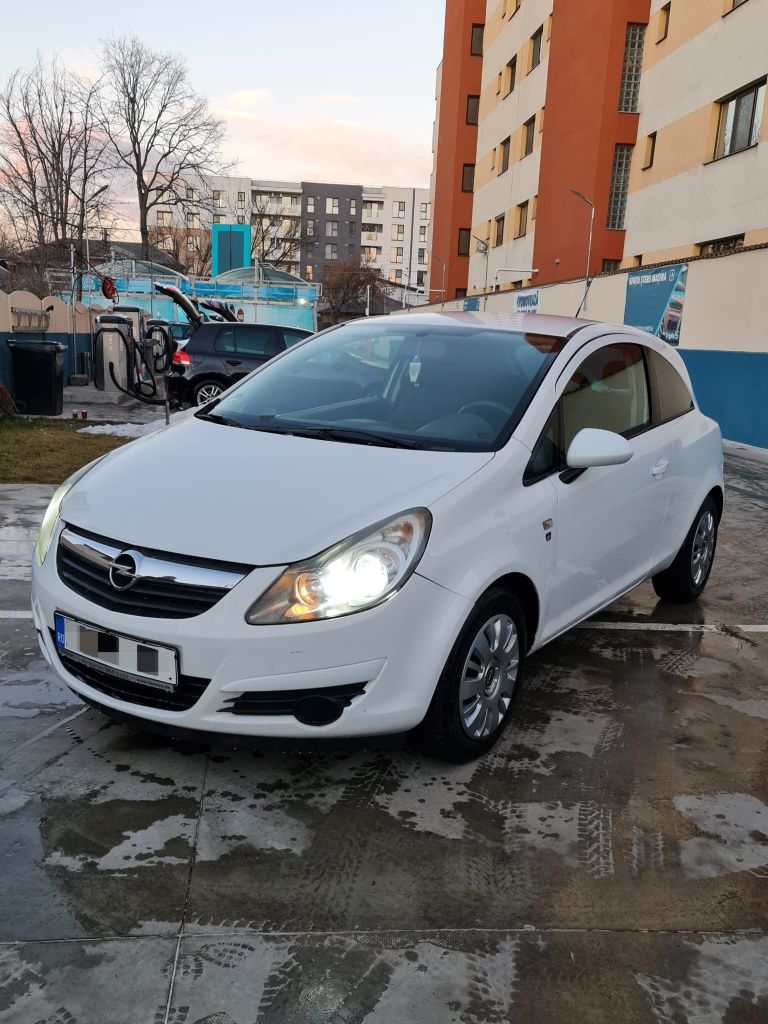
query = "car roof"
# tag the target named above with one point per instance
(527, 323)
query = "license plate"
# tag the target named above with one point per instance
(120, 656)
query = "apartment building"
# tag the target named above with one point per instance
(558, 123)
(395, 234)
(698, 184)
(454, 147)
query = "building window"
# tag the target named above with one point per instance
(331, 205)
(650, 151)
(193, 221)
(218, 198)
(192, 193)
(521, 227)
(396, 254)
(191, 244)
(398, 210)
(536, 39)
(310, 227)
(165, 218)
(740, 119)
(240, 219)
(476, 43)
(422, 232)
(218, 218)
(473, 109)
(610, 266)
(722, 246)
(529, 130)
(331, 251)
(425, 211)
(372, 209)
(420, 277)
(468, 178)
(504, 155)
(422, 258)
(510, 75)
(310, 204)
(664, 14)
(398, 232)
(351, 249)
(310, 272)
(352, 208)
(499, 237)
(241, 198)
(617, 199)
(331, 229)
(352, 227)
(630, 72)
(465, 234)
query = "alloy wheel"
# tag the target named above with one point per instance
(208, 392)
(703, 548)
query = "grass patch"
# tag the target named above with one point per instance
(40, 451)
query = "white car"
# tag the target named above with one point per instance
(372, 533)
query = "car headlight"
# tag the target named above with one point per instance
(51, 517)
(358, 573)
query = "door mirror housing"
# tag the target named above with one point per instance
(592, 447)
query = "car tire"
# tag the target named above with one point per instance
(686, 578)
(471, 704)
(206, 390)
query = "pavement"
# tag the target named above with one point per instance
(107, 406)
(606, 862)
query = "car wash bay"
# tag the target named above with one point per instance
(608, 860)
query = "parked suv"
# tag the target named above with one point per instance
(218, 354)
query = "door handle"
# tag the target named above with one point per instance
(233, 362)
(660, 468)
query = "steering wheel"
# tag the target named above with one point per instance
(473, 407)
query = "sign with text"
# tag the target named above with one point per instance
(655, 300)
(527, 301)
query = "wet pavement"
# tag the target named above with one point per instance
(607, 861)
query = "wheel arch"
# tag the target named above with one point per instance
(524, 589)
(719, 498)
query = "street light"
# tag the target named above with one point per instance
(485, 249)
(591, 205)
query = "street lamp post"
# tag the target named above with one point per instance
(485, 249)
(591, 205)
(442, 264)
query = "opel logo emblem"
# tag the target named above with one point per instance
(123, 570)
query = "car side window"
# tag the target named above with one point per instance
(225, 340)
(292, 337)
(546, 457)
(670, 396)
(256, 341)
(609, 391)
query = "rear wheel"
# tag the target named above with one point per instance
(471, 703)
(206, 390)
(686, 578)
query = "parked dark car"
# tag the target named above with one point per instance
(218, 354)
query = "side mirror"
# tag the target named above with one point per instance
(593, 447)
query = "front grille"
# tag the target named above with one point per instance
(171, 588)
(188, 692)
(281, 702)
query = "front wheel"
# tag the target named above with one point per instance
(686, 578)
(471, 703)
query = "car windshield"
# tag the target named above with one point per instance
(438, 387)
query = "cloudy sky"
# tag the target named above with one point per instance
(336, 90)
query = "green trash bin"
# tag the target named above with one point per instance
(38, 376)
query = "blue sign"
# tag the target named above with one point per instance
(230, 247)
(655, 300)
(472, 304)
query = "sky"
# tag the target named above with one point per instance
(328, 90)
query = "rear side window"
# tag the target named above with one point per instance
(225, 341)
(292, 337)
(256, 341)
(609, 391)
(670, 396)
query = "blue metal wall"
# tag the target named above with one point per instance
(732, 388)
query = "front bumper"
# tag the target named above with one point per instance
(397, 650)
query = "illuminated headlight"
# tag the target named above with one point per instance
(51, 517)
(355, 574)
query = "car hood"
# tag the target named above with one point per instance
(211, 491)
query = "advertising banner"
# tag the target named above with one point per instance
(655, 301)
(527, 301)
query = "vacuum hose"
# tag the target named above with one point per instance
(143, 390)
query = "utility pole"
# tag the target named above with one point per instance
(591, 205)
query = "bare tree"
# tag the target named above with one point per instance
(345, 290)
(189, 247)
(161, 130)
(52, 159)
(277, 235)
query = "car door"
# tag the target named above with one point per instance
(230, 362)
(609, 518)
(256, 344)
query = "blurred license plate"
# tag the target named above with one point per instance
(116, 655)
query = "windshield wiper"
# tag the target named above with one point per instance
(214, 417)
(340, 434)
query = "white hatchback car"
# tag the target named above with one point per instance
(372, 532)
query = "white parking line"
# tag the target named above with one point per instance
(15, 615)
(661, 627)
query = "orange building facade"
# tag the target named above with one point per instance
(454, 148)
